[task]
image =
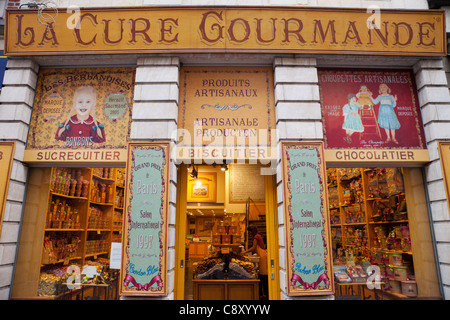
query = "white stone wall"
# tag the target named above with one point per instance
(16, 102)
(434, 99)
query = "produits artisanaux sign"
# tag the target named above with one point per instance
(226, 113)
(144, 243)
(226, 29)
(308, 243)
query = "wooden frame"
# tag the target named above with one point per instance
(308, 242)
(203, 188)
(145, 238)
(444, 155)
(6, 161)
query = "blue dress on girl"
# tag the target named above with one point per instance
(387, 119)
(352, 122)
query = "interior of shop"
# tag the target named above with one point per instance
(378, 220)
(220, 261)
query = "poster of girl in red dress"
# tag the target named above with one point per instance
(370, 109)
(82, 108)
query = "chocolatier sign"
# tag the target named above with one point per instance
(144, 249)
(308, 251)
(371, 116)
(225, 29)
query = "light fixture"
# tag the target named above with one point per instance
(194, 173)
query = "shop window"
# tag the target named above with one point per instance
(71, 217)
(380, 234)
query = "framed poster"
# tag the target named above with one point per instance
(371, 115)
(144, 245)
(246, 182)
(308, 242)
(6, 162)
(444, 155)
(81, 115)
(203, 188)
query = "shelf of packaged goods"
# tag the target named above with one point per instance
(388, 222)
(60, 229)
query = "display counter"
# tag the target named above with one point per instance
(226, 289)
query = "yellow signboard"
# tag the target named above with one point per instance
(226, 29)
(444, 152)
(226, 113)
(6, 162)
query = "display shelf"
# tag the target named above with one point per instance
(368, 216)
(82, 208)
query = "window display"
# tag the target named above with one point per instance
(370, 229)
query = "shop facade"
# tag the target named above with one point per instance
(155, 80)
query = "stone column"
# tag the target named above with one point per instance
(298, 117)
(434, 99)
(16, 103)
(155, 118)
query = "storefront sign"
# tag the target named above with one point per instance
(3, 61)
(444, 152)
(144, 249)
(6, 162)
(226, 113)
(371, 116)
(308, 243)
(81, 115)
(226, 29)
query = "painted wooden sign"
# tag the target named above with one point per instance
(308, 243)
(144, 249)
(226, 29)
(371, 116)
(81, 115)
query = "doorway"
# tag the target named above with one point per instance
(215, 206)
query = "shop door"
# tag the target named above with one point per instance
(181, 227)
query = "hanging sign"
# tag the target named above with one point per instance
(308, 242)
(81, 115)
(226, 29)
(226, 113)
(371, 116)
(144, 243)
(6, 162)
(444, 152)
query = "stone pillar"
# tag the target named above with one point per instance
(298, 117)
(16, 103)
(155, 118)
(434, 99)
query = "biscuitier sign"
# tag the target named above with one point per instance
(81, 115)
